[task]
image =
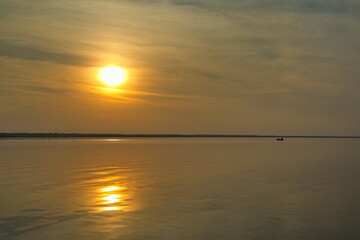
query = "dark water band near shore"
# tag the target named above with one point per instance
(114, 135)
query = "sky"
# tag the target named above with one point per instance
(287, 67)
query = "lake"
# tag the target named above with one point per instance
(180, 188)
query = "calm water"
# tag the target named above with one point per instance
(180, 189)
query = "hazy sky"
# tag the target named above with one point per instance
(194, 66)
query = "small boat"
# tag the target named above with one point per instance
(280, 139)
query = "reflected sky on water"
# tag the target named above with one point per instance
(179, 189)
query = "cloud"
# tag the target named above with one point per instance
(319, 6)
(15, 49)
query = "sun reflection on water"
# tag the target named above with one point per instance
(110, 208)
(114, 198)
(110, 199)
(110, 188)
(113, 140)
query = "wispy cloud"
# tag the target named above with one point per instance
(15, 49)
(320, 6)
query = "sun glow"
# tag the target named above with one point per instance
(112, 75)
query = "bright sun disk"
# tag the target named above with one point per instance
(112, 75)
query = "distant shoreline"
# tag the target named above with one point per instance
(106, 135)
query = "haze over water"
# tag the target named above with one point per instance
(179, 189)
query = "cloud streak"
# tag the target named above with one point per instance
(15, 49)
(307, 6)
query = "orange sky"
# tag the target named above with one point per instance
(237, 67)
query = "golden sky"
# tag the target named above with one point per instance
(216, 66)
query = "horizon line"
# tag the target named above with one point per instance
(149, 135)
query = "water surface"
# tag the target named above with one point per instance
(179, 189)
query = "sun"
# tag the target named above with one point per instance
(112, 75)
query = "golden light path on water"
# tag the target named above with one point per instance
(110, 188)
(110, 197)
